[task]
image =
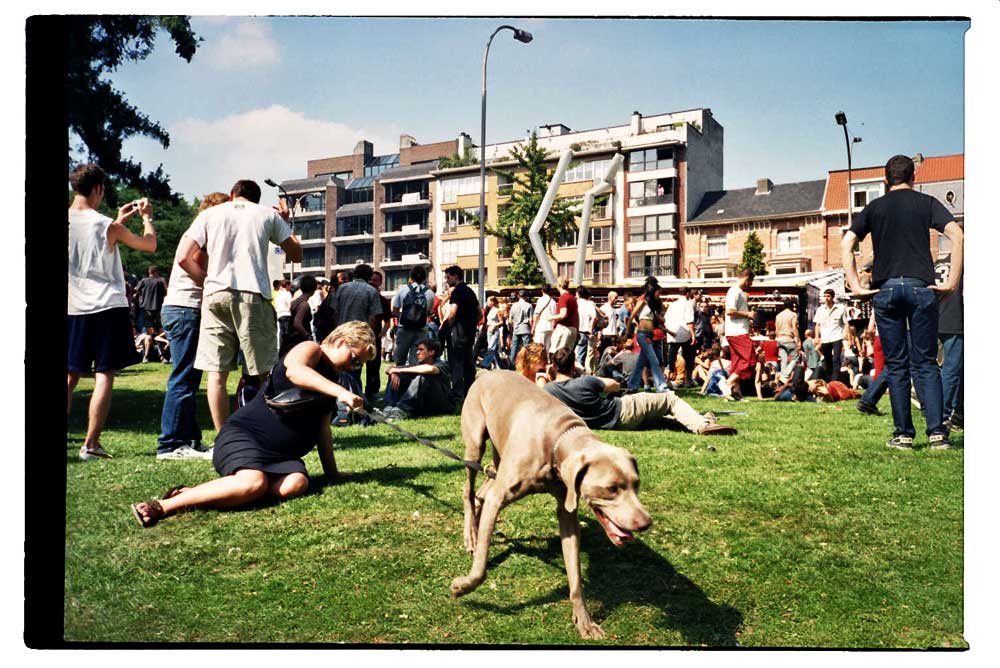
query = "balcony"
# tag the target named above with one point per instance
(407, 202)
(312, 241)
(414, 231)
(651, 201)
(405, 261)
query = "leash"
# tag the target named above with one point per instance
(423, 441)
(730, 412)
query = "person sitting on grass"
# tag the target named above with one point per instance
(531, 362)
(259, 451)
(832, 392)
(587, 397)
(422, 389)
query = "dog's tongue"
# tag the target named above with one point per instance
(616, 534)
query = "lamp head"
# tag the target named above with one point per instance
(841, 118)
(522, 35)
(857, 140)
(271, 183)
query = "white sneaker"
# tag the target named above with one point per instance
(184, 452)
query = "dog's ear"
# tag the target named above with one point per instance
(572, 471)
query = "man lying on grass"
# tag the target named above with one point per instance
(259, 451)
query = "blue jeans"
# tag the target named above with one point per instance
(952, 370)
(407, 341)
(178, 425)
(788, 355)
(492, 357)
(903, 302)
(518, 341)
(582, 341)
(420, 395)
(647, 357)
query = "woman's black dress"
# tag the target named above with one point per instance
(256, 437)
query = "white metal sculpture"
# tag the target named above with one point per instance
(605, 185)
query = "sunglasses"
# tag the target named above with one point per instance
(356, 362)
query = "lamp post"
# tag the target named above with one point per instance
(291, 221)
(521, 36)
(841, 118)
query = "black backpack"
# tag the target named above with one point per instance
(413, 313)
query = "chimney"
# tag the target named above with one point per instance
(406, 141)
(764, 186)
(365, 148)
(917, 159)
(463, 141)
(636, 123)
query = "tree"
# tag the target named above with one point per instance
(455, 160)
(98, 113)
(530, 183)
(753, 255)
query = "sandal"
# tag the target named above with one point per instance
(155, 514)
(94, 453)
(172, 492)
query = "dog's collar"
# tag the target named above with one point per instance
(555, 448)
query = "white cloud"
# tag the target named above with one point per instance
(248, 43)
(276, 142)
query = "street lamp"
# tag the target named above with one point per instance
(291, 222)
(520, 36)
(841, 118)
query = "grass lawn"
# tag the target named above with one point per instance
(803, 531)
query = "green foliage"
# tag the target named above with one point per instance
(99, 114)
(455, 160)
(530, 184)
(753, 255)
(802, 531)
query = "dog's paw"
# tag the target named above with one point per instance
(463, 585)
(588, 628)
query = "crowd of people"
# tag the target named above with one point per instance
(617, 364)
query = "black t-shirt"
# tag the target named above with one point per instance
(153, 290)
(900, 223)
(584, 397)
(467, 315)
(951, 312)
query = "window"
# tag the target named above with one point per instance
(352, 225)
(313, 229)
(394, 191)
(788, 241)
(600, 239)
(586, 171)
(651, 264)
(394, 222)
(565, 269)
(451, 250)
(501, 275)
(354, 253)
(312, 202)
(395, 250)
(471, 276)
(394, 278)
(718, 246)
(781, 271)
(597, 271)
(505, 186)
(313, 257)
(344, 176)
(359, 195)
(381, 163)
(646, 193)
(712, 274)
(452, 188)
(652, 158)
(651, 228)
(455, 217)
(865, 193)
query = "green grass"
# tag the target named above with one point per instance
(803, 531)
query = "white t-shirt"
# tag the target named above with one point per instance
(587, 312)
(736, 300)
(611, 313)
(182, 290)
(831, 322)
(314, 301)
(545, 306)
(679, 314)
(235, 236)
(96, 278)
(283, 303)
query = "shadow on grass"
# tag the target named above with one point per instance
(634, 575)
(397, 476)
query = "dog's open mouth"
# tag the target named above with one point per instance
(616, 534)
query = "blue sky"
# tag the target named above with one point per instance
(263, 95)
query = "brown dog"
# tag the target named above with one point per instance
(539, 445)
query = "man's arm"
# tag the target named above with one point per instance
(292, 248)
(189, 255)
(850, 267)
(325, 448)
(417, 369)
(610, 385)
(957, 238)
(299, 319)
(117, 232)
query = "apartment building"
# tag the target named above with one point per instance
(672, 160)
(368, 208)
(786, 217)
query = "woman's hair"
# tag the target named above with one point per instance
(212, 199)
(655, 303)
(357, 334)
(563, 282)
(530, 360)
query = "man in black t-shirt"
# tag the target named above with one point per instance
(951, 334)
(151, 291)
(421, 389)
(461, 314)
(905, 294)
(586, 397)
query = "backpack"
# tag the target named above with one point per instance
(413, 313)
(600, 322)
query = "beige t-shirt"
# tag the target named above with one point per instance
(235, 236)
(786, 325)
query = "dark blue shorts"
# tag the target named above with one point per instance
(102, 340)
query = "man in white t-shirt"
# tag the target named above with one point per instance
(282, 306)
(608, 335)
(99, 329)
(738, 316)
(237, 313)
(545, 308)
(679, 326)
(830, 320)
(586, 342)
